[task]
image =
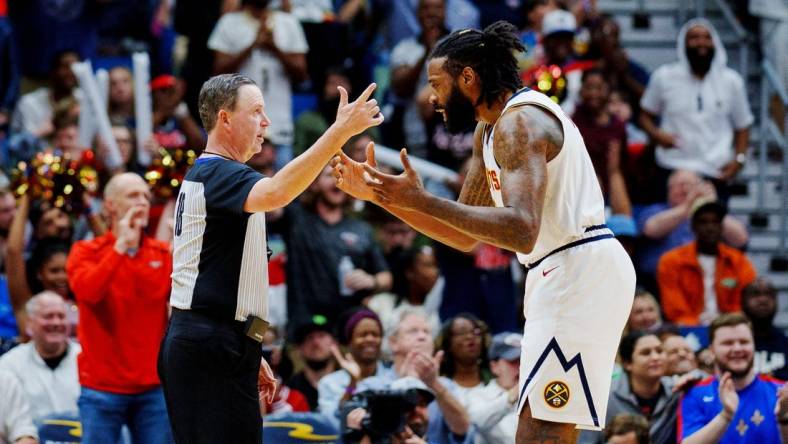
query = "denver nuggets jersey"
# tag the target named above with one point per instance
(573, 198)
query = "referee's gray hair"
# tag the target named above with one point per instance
(217, 93)
(31, 307)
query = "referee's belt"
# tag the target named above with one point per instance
(585, 240)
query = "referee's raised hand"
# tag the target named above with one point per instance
(356, 116)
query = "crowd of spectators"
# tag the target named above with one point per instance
(360, 302)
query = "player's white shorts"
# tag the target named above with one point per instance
(577, 302)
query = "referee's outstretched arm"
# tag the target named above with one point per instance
(353, 118)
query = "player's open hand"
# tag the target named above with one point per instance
(404, 190)
(363, 113)
(350, 174)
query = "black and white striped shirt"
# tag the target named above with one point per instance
(220, 266)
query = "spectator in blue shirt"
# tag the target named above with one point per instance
(759, 303)
(737, 405)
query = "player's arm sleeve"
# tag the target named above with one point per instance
(741, 115)
(690, 417)
(652, 96)
(229, 185)
(674, 304)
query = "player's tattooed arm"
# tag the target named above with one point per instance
(475, 190)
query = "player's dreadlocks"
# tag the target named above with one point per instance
(490, 53)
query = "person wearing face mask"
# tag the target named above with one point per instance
(313, 340)
(705, 114)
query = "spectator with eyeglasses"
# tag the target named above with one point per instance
(464, 340)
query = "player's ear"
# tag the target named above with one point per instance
(468, 76)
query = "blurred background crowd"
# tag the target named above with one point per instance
(359, 301)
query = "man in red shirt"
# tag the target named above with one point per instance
(121, 281)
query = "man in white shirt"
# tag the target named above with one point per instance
(270, 48)
(705, 115)
(46, 367)
(494, 413)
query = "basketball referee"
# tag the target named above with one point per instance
(211, 354)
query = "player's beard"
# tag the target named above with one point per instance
(459, 111)
(736, 373)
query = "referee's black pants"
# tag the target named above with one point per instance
(208, 369)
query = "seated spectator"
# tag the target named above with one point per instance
(701, 279)
(35, 110)
(493, 410)
(394, 237)
(66, 135)
(122, 285)
(420, 286)
(463, 341)
(627, 429)
(703, 106)
(736, 405)
(363, 336)
(605, 138)
(314, 341)
(645, 315)
(680, 357)
(412, 349)
(16, 423)
(759, 303)
(46, 367)
(643, 389)
(531, 33)
(121, 96)
(667, 225)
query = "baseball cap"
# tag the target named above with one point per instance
(412, 383)
(505, 346)
(622, 225)
(708, 204)
(317, 322)
(558, 21)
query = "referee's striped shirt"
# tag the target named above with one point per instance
(220, 266)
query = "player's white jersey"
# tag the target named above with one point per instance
(573, 198)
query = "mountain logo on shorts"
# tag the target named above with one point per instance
(556, 394)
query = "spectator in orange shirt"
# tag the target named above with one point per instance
(121, 282)
(703, 278)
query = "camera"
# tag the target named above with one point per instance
(387, 414)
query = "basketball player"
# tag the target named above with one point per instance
(531, 189)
